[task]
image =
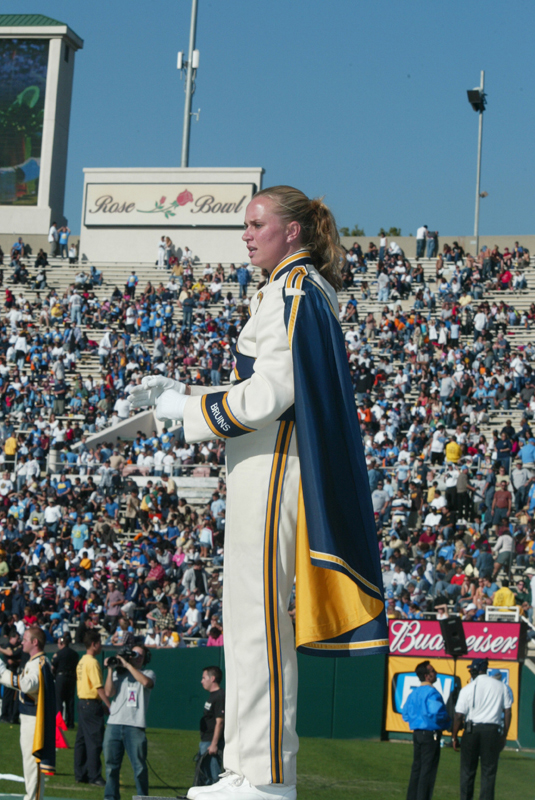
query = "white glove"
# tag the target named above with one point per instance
(171, 405)
(151, 388)
(2, 667)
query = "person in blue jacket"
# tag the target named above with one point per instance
(427, 716)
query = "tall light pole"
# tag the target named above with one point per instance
(191, 66)
(477, 99)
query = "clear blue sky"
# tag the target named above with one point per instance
(363, 101)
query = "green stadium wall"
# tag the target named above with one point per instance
(339, 698)
(526, 717)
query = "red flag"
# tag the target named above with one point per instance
(61, 743)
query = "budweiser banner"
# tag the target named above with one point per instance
(423, 639)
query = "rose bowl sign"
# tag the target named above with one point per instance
(422, 638)
(166, 204)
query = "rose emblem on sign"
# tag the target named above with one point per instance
(184, 198)
(169, 210)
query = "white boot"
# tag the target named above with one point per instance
(224, 778)
(239, 788)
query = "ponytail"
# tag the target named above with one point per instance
(319, 234)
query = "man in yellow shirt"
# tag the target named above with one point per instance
(453, 451)
(10, 450)
(91, 701)
(504, 597)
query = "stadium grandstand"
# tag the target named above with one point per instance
(108, 520)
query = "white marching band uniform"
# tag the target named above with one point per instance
(261, 516)
(265, 519)
(27, 684)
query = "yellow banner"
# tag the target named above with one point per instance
(402, 677)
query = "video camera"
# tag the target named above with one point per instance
(125, 652)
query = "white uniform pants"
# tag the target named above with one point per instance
(33, 778)
(261, 665)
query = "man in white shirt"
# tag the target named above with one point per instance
(53, 238)
(105, 347)
(130, 319)
(383, 287)
(53, 514)
(168, 463)
(480, 323)
(438, 444)
(450, 480)
(122, 407)
(380, 436)
(485, 707)
(439, 501)
(191, 621)
(159, 456)
(15, 316)
(432, 519)
(187, 256)
(421, 236)
(518, 367)
(33, 469)
(351, 337)
(399, 579)
(145, 462)
(185, 454)
(21, 473)
(75, 304)
(6, 485)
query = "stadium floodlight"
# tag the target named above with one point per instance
(190, 67)
(478, 99)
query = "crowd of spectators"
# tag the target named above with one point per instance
(453, 483)
(99, 536)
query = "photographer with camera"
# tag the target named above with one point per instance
(481, 705)
(128, 686)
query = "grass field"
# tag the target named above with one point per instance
(327, 768)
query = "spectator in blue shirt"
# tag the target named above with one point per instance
(427, 716)
(79, 534)
(374, 475)
(63, 490)
(489, 587)
(244, 276)
(527, 452)
(484, 562)
(64, 234)
(112, 508)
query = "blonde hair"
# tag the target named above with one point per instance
(319, 234)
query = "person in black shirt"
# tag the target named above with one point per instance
(13, 653)
(213, 720)
(64, 667)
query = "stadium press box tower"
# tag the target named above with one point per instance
(36, 75)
